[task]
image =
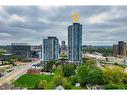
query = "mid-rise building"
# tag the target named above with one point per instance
(75, 43)
(45, 50)
(63, 48)
(36, 51)
(50, 49)
(115, 50)
(121, 48)
(36, 48)
(21, 50)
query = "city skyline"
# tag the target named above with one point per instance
(103, 25)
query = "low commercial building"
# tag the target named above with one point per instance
(21, 50)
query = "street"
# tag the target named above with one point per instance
(13, 75)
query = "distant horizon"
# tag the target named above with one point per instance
(66, 44)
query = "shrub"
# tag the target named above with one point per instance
(57, 80)
(60, 80)
(51, 85)
(66, 84)
(74, 87)
(115, 86)
(42, 84)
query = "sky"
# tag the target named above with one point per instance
(102, 25)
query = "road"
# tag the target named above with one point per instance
(19, 71)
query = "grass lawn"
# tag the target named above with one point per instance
(30, 80)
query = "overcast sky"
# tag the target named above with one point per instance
(102, 25)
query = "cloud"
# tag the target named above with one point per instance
(2, 34)
(102, 25)
(1, 9)
(103, 17)
(49, 8)
(99, 18)
(15, 17)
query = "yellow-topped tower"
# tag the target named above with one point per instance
(75, 16)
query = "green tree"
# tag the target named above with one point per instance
(95, 76)
(49, 66)
(60, 80)
(91, 63)
(2, 52)
(89, 73)
(115, 86)
(51, 85)
(104, 51)
(57, 80)
(12, 62)
(66, 84)
(63, 56)
(82, 73)
(42, 84)
(73, 80)
(69, 69)
(59, 71)
(15, 58)
(114, 74)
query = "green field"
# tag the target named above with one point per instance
(30, 80)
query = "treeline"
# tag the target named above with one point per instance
(104, 51)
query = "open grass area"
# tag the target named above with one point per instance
(30, 80)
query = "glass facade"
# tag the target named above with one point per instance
(122, 48)
(115, 50)
(45, 49)
(75, 43)
(50, 49)
(63, 47)
(22, 51)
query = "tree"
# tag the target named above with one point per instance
(11, 62)
(69, 69)
(95, 76)
(63, 56)
(115, 86)
(73, 80)
(57, 80)
(2, 52)
(42, 84)
(104, 51)
(51, 85)
(59, 71)
(90, 74)
(60, 80)
(15, 58)
(114, 74)
(66, 84)
(82, 73)
(91, 63)
(49, 66)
